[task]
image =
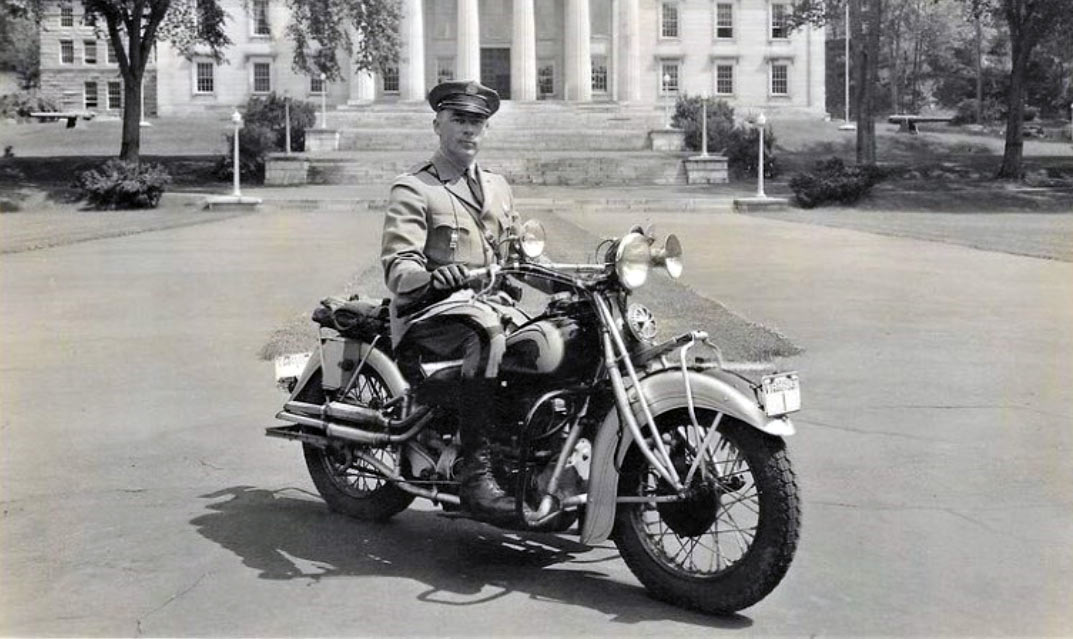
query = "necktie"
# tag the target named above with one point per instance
(475, 186)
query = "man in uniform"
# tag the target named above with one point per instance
(444, 217)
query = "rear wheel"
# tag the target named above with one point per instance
(731, 541)
(348, 484)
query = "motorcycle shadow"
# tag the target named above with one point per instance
(290, 534)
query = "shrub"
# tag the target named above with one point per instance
(123, 185)
(21, 105)
(255, 142)
(966, 112)
(738, 142)
(270, 112)
(265, 131)
(833, 181)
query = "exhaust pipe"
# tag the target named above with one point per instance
(330, 428)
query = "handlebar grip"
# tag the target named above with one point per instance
(484, 271)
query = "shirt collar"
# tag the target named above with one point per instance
(448, 170)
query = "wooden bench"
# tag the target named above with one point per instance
(70, 116)
(907, 123)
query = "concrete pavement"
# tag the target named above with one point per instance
(140, 497)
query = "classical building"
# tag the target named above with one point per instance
(624, 51)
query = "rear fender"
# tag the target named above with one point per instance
(665, 391)
(374, 357)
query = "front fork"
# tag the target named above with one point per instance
(615, 352)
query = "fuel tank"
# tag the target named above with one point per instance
(557, 346)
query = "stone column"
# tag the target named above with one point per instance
(578, 75)
(629, 59)
(412, 63)
(523, 53)
(468, 59)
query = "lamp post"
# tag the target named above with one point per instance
(323, 101)
(704, 127)
(287, 120)
(760, 122)
(847, 126)
(236, 119)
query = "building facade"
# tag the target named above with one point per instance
(625, 51)
(79, 71)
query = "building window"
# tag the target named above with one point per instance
(668, 20)
(724, 21)
(109, 53)
(205, 79)
(262, 77)
(89, 52)
(780, 79)
(668, 78)
(724, 79)
(599, 73)
(89, 19)
(67, 52)
(545, 79)
(445, 70)
(90, 89)
(780, 21)
(115, 95)
(391, 79)
(316, 84)
(67, 16)
(260, 18)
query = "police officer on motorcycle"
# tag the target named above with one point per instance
(446, 216)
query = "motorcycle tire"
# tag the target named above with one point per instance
(347, 486)
(678, 550)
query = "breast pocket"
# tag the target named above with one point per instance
(448, 242)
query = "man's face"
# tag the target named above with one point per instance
(460, 134)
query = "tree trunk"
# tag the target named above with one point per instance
(869, 23)
(130, 150)
(1012, 168)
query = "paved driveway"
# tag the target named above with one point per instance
(139, 496)
(935, 447)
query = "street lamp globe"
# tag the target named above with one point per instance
(236, 118)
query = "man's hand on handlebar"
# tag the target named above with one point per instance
(450, 277)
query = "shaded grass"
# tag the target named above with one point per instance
(678, 308)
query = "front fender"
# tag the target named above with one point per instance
(665, 391)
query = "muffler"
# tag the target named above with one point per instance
(331, 428)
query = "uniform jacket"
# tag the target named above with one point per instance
(430, 223)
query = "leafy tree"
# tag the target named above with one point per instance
(20, 49)
(1028, 23)
(367, 31)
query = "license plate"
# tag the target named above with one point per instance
(291, 366)
(780, 394)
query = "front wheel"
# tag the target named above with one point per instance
(730, 542)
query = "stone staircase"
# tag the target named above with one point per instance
(550, 143)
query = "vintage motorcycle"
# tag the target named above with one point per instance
(679, 459)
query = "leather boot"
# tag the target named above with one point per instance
(480, 493)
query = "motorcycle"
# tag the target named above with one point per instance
(679, 459)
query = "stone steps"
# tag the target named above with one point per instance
(541, 116)
(557, 139)
(547, 168)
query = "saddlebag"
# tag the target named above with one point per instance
(355, 318)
